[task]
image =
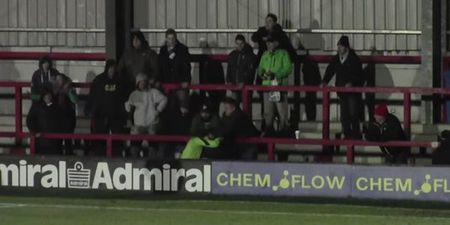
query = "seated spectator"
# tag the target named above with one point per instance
(241, 65)
(387, 127)
(140, 58)
(43, 78)
(66, 98)
(175, 67)
(441, 155)
(274, 69)
(105, 105)
(205, 122)
(46, 117)
(147, 102)
(221, 143)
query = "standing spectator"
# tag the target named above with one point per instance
(241, 65)
(387, 127)
(106, 104)
(175, 66)
(46, 117)
(348, 69)
(140, 58)
(147, 102)
(66, 98)
(274, 69)
(43, 78)
(272, 28)
(311, 77)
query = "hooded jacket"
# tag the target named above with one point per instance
(276, 62)
(285, 42)
(135, 61)
(41, 80)
(107, 95)
(348, 72)
(148, 105)
(174, 64)
(241, 66)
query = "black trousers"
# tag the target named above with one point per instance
(350, 112)
(310, 105)
(106, 125)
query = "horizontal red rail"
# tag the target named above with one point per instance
(100, 56)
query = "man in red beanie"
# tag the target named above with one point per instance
(387, 127)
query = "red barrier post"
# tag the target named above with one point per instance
(109, 146)
(18, 110)
(407, 112)
(325, 114)
(350, 154)
(271, 151)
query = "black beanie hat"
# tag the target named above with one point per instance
(344, 41)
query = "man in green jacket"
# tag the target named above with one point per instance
(274, 69)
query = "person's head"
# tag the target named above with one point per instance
(240, 42)
(229, 106)
(45, 63)
(343, 45)
(47, 96)
(141, 81)
(171, 37)
(381, 113)
(205, 112)
(271, 21)
(137, 39)
(111, 68)
(272, 42)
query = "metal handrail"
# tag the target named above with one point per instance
(201, 30)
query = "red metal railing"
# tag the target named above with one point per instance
(246, 90)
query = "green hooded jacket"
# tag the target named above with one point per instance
(277, 62)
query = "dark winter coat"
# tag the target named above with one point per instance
(237, 125)
(348, 72)
(41, 80)
(46, 119)
(201, 127)
(284, 41)
(174, 64)
(106, 97)
(241, 66)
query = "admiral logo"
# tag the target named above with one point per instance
(103, 176)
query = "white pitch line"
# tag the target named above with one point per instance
(238, 212)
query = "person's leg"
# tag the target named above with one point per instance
(100, 127)
(354, 107)
(310, 105)
(248, 152)
(345, 120)
(268, 112)
(117, 125)
(136, 146)
(283, 110)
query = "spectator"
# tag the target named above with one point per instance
(387, 127)
(441, 155)
(237, 124)
(66, 98)
(43, 78)
(311, 77)
(175, 66)
(348, 69)
(147, 102)
(221, 144)
(272, 28)
(140, 58)
(205, 122)
(106, 104)
(274, 69)
(46, 117)
(241, 65)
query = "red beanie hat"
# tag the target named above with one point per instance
(381, 110)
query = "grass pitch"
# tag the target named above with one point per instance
(78, 211)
